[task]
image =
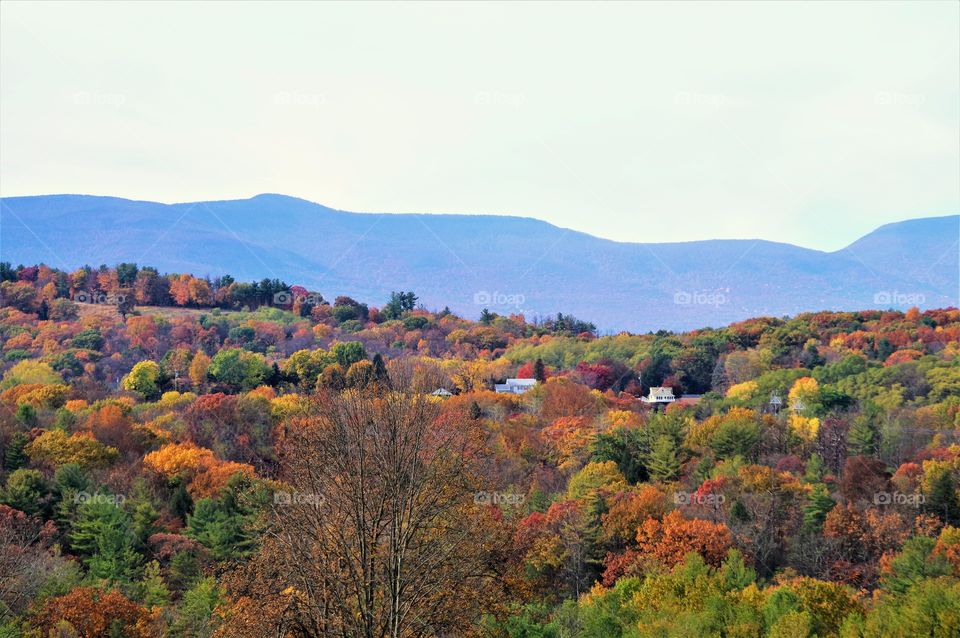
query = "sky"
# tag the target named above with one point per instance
(808, 123)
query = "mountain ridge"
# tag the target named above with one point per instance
(507, 263)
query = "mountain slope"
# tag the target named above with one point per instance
(508, 264)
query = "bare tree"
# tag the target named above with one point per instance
(381, 535)
(26, 562)
(418, 374)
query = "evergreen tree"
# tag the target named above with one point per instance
(623, 446)
(656, 369)
(64, 420)
(275, 378)
(103, 537)
(704, 468)
(735, 438)
(196, 610)
(863, 438)
(380, 371)
(180, 503)
(942, 499)
(27, 415)
(884, 349)
(399, 304)
(27, 491)
(539, 371)
(221, 528)
(815, 469)
(735, 573)
(915, 562)
(662, 462)
(15, 456)
(739, 512)
(475, 411)
(184, 571)
(152, 590)
(143, 515)
(816, 508)
(69, 481)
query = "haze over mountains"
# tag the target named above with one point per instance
(507, 264)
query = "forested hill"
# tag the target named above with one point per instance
(508, 264)
(205, 472)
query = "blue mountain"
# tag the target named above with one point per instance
(507, 264)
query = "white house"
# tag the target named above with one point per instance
(442, 392)
(659, 395)
(515, 386)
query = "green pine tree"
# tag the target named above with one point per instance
(815, 469)
(143, 515)
(863, 438)
(539, 371)
(64, 420)
(704, 468)
(27, 415)
(915, 562)
(15, 456)
(152, 590)
(662, 462)
(27, 491)
(180, 502)
(942, 499)
(816, 508)
(69, 480)
(739, 512)
(185, 571)
(380, 374)
(735, 573)
(220, 528)
(103, 538)
(195, 614)
(735, 438)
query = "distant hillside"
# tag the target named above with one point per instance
(508, 264)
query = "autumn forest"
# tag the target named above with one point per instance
(194, 457)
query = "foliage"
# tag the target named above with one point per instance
(166, 470)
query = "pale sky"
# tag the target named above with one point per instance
(807, 123)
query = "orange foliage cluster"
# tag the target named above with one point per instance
(90, 613)
(206, 473)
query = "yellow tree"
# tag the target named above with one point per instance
(198, 369)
